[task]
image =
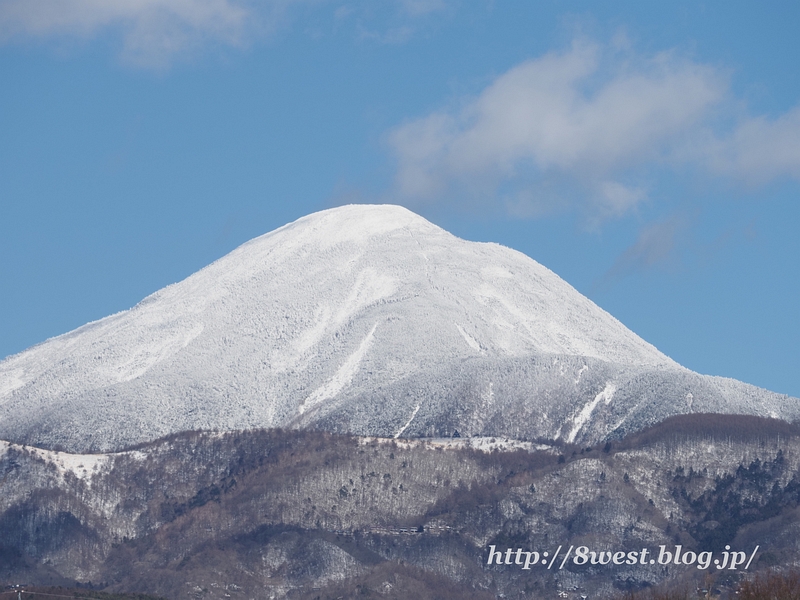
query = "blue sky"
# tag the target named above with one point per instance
(648, 154)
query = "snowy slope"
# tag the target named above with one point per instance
(366, 319)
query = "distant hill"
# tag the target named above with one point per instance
(305, 514)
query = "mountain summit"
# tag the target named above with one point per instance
(361, 319)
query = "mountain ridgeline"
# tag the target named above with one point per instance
(309, 514)
(365, 320)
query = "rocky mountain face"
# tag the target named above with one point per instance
(366, 320)
(307, 514)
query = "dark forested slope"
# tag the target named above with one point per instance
(311, 514)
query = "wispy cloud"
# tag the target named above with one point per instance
(655, 246)
(587, 125)
(757, 150)
(394, 22)
(422, 7)
(155, 33)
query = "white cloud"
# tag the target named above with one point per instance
(654, 246)
(153, 31)
(592, 117)
(617, 199)
(757, 150)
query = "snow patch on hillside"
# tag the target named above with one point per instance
(582, 418)
(482, 444)
(471, 342)
(411, 418)
(12, 381)
(344, 376)
(150, 352)
(82, 466)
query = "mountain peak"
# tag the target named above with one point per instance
(352, 223)
(373, 219)
(364, 319)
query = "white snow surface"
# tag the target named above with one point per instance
(583, 416)
(82, 466)
(294, 326)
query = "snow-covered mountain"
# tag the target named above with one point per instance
(364, 319)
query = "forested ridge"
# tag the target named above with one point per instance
(305, 514)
